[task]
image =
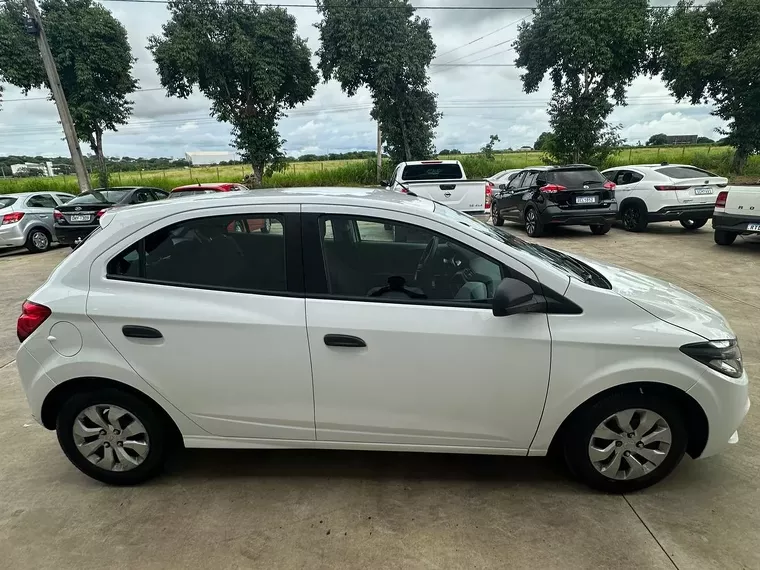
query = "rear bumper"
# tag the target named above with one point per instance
(12, 235)
(734, 223)
(71, 235)
(682, 212)
(556, 216)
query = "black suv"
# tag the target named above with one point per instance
(575, 194)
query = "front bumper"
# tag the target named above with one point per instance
(734, 223)
(71, 235)
(556, 216)
(12, 235)
(682, 212)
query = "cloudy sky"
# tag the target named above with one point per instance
(476, 101)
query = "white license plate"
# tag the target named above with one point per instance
(585, 199)
(80, 218)
(753, 227)
(699, 190)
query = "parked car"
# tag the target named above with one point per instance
(737, 211)
(664, 193)
(26, 219)
(206, 188)
(443, 181)
(544, 196)
(165, 328)
(78, 218)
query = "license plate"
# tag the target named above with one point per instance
(80, 218)
(753, 227)
(585, 199)
(699, 190)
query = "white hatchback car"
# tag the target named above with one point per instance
(174, 324)
(664, 193)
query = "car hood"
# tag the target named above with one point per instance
(666, 301)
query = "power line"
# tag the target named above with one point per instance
(480, 38)
(476, 52)
(48, 98)
(375, 7)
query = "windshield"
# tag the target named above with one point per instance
(101, 197)
(568, 264)
(6, 201)
(432, 171)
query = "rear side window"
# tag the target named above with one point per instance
(575, 178)
(627, 177)
(236, 252)
(6, 202)
(681, 172)
(41, 201)
(432, 171)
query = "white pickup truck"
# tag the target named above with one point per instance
(737, 211)
(443, 181)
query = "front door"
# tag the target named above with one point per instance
(212, 317)
(511, 199)
(405, 349)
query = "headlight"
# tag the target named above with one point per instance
(721, 355)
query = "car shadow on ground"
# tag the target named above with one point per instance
(22, 251)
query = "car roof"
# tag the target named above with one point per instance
(561, 167)
(210, 185)
(650, 166)
(25, 194)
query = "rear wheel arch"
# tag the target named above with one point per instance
(633, 200)
(62, 392)
(696, 420)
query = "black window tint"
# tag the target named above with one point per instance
(41, 201)
(65, 198)
(530, 179)
(383, 260)
(433, 171)
(610, 175)
(6, 201)
(681, 172)
(575, 178)
(516, 182)
(100, 197)
(241, 253)
(541, 179)
(143, 196)
(159, 194)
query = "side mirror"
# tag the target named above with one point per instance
(502, 186)
(513, 296)
(384, 183)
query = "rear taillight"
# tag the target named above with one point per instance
(100, 214)
(12, 218)
(32, 316)
(552, 188)
(671, 188)
(58, 216)
(722, 198)
(489, 194)
(610, 185)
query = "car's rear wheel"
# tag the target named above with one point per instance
(625, 442)
(634, 217)
(38, 241)
(495, 217)
(534, 227)
(600, 229)
(693, 224)
(722, 237)
(112, 436)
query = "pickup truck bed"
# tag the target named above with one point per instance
(737, 211)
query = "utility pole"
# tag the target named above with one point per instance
(34, 27)
(379, 153)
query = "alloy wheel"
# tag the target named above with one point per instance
(111, 438)
(629, 444)
(530, 222)
(631, 218)
(40, 240)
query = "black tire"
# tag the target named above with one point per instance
(600, 229)
(577, 435)
(267, 227)
(534, 227)
(157, 430)
(38, 240)
(496, 219)
(722, 237)
(693, 224)
(634, 217)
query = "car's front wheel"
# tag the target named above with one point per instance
(495, 217)
(600, 229)
(634, 217)
(112, 436)
(625, 442)
(693, 224)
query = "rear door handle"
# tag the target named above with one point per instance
(135, 331)
(344, 340)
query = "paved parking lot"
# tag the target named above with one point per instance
(307, 509)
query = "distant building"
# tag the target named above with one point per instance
(204, 158)
(681, 139)
(45, 169)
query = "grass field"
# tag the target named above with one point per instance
(362, 172)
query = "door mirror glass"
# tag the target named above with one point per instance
(513, 296)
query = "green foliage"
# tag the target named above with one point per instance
(658, 140)
(93, 58)
(713, 53)
(704, 140)
(487, 149)
(248, 60)
(543, 140)
(382, 45)
(573, 42)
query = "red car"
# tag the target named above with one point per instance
(212, 187)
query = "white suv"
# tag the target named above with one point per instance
(664, 193)
(175, 324)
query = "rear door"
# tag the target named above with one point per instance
(626, 181)
(692, 185)
(39, 208)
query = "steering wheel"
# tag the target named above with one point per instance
(423, 266)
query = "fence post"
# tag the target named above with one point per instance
(140, 175)
(242, 171)
(630, 150)
(119, 175)
(322, 164)
(709, 148)
(683, 151)
(658, 154)
(217, 173)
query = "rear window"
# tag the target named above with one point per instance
(6, 202)
(432, 172)
(575, 178)
(100, 197)
(681, 172)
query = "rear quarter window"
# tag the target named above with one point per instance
(6, 202)
(680, 172)
(575, 178)
(432, 172)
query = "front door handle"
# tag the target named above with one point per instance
(135, 331)
(344, 340)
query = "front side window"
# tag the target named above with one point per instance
(376, 259)
(516, 182)
(235, 252)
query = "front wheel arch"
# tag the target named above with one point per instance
(696, 419)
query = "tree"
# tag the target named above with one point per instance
(382, 45)
(705, 140)
(659, 139)
(571, 41)
(487, 149)
(94, 62)
(712, 53)
(247, 60)
(542, 140)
